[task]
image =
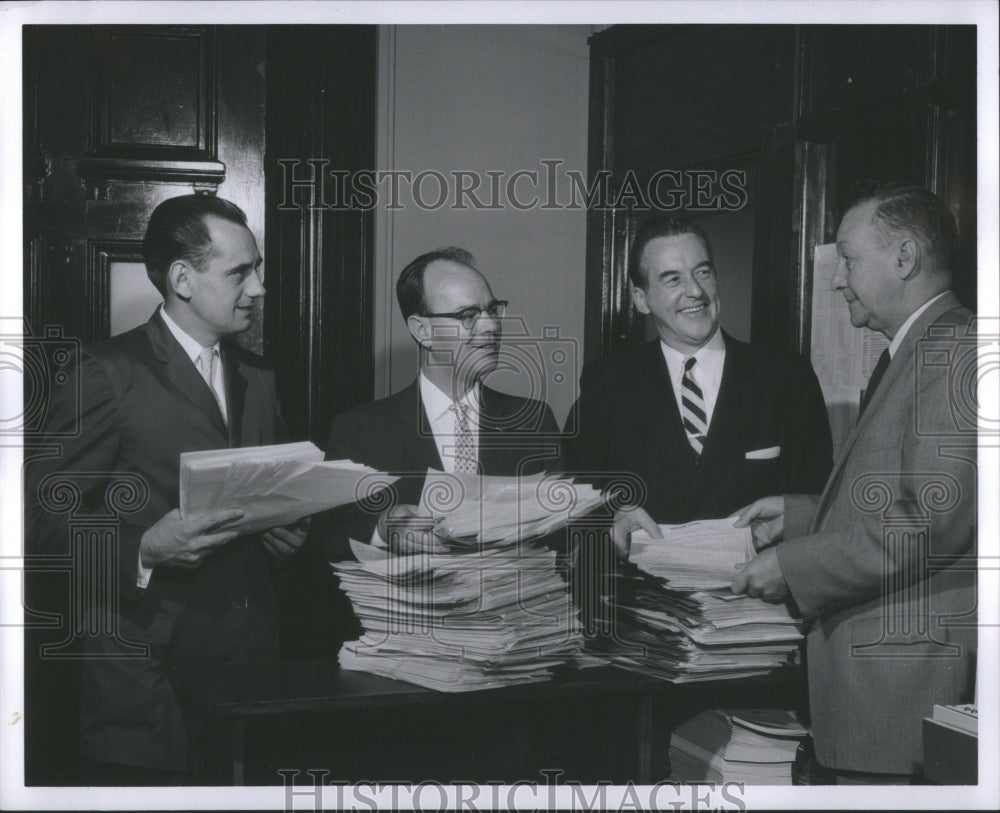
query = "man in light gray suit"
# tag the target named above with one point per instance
(882, 561)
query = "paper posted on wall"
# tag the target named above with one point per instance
(274, 485)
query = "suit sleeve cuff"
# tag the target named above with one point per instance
(142, 574)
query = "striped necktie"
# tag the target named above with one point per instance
(693, 408)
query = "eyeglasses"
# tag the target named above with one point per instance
(468, 316)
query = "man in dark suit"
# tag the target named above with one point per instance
(447, 419)
(705, 422)
(876, 561)
(189, 590)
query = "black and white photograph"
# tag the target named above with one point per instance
(499, 406)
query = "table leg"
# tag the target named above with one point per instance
(237, 742)
(645, 739)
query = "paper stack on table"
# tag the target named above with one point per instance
(490, 607)
(274, 485)
(756, 747)
(675, 616)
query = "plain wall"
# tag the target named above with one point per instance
(487, 99)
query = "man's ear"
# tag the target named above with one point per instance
(179, 279)
(420, 329)
(639, 298)
(906, 258)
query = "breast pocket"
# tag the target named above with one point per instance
(763, 472)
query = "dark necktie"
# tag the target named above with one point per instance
(877, 373)
(693, 409)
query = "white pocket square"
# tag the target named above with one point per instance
(764, 454)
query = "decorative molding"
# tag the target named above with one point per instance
(100, 255)
(160, 155)
(384, 217)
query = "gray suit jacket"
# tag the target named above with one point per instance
(883, 559)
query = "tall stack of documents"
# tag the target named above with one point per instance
(756, 747)
(675, 616)
(274, 485)
(486, 605)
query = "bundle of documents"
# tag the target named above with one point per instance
(487, 607)
(756, 747)
(274, 485)
(676, 617)
(476, 511)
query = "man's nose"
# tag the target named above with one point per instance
(255, 285)
(693, 288)
(486, 324)
(839, 279)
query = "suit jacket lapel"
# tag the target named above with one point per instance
(899, 368)
(737, 389)
(415, 431)
(236, 389)
(181, 372)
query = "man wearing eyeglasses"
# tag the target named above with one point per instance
(447, 419)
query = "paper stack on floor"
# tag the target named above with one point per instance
(489, 607)
(676, 617)
(756, 747)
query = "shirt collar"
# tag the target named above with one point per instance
(897, 340)
(710, 356)
(437, 402)
(189, 345)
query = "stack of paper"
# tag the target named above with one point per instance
(489, 607)
(274, 485)
(755, 747)
(675, 616)
(477, 510)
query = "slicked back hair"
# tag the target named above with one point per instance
(177, 231)
(663, 226)
(902, 208)
(410, 286)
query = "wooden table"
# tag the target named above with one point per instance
(313, 714)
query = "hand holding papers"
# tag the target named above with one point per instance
(677, 617)
(273, 485)
(701, 555)
(483, 603)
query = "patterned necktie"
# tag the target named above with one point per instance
(877, 373)
(693, 408)
(206, 366)
(465, 451)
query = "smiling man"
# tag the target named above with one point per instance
(705, 421)
(189, 592)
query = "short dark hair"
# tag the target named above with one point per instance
(661, 226)
(912, 209)
(177, 231)
(410, 286)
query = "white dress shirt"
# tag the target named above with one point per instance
(897, 340)
(193, 350)
(707, 371)
(441, 417)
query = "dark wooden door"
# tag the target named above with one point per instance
(119, 118)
